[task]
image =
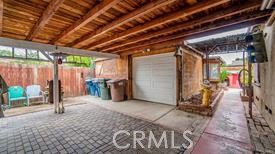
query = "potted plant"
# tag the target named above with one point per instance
(223, 77)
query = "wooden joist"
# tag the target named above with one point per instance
(221, 26)
(206, 28)
(91, 15)
(159, 21)
(46, 16)
(157, 46)
(212, 17)
(117, 25)
(150, 6)
(271, 20)
(1, 16)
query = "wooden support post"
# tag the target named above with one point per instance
(1, 16)
(179, 79)
(130, 77)
(56, 86)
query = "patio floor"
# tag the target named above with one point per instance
(82, 129)
(227, 131)
(90, 126)
(39, 106)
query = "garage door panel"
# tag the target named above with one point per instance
(163, 73)
(163, 85)
(143, 83)
(154, 78)
(162, 65)
(162, 60)
(162, 78)
(142, 74)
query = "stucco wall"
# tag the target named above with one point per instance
(192, 74)
(264, 95)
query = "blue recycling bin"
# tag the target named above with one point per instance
(92, 88)
(88, 82)
(96, 87)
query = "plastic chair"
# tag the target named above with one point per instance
(16, 93)
(34, 91)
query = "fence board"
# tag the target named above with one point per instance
(20, 74)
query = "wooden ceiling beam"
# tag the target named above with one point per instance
(220, 24)
(157, 46)
(212, 17)
(1, 16)
(148, 7)
(46, 16)
(159, 21)
(88, 17)
(53, 48)
(215, 28)
(271, 20)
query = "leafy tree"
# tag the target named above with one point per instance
(5, 53)
(80, 61)
(224, 73)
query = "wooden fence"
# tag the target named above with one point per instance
(72, 78)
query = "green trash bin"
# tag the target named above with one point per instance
(104, 89)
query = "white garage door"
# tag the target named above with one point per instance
(154, 78)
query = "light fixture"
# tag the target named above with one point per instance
(178, 51)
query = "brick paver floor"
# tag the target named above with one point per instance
(81, 129)
(262, 137)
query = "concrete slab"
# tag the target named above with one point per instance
(227, 131)
(181, 121)
(141, 109)
(212, 144)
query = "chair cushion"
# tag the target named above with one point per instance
(18, 98)
(36, 96)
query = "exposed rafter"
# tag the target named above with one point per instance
(1, 16)
(156, 46)
(227, 44)
(206, 28)
(91, 15)
(122, 20)
(46, 16)
(197, 33)
(228, 48)
(159, 21)
(271, 20)
(212, 17)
